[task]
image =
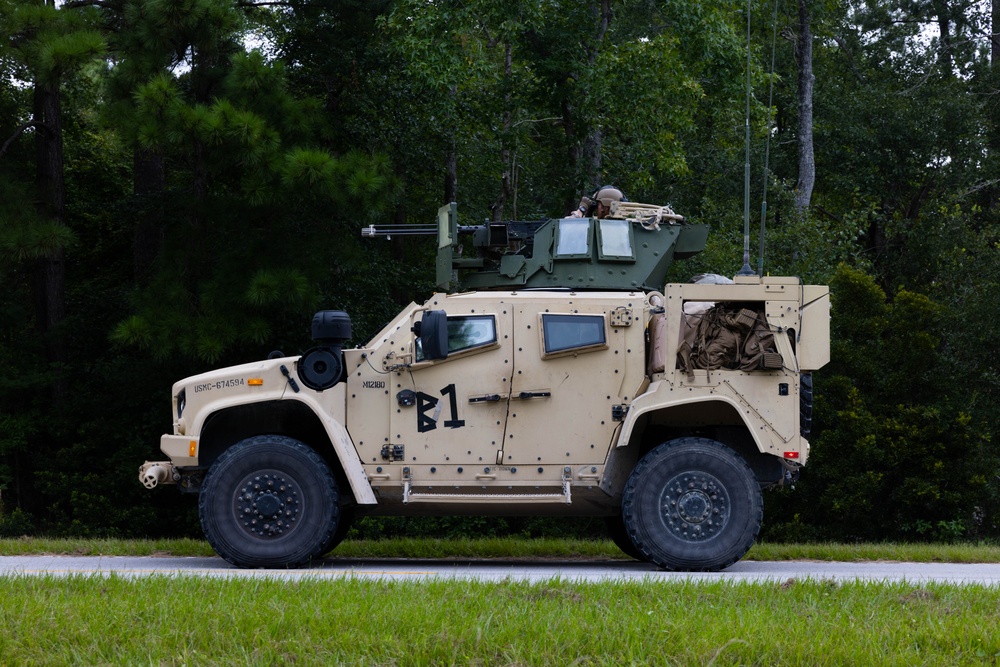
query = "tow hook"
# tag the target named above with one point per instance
(152, 473)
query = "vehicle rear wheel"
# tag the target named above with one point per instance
(269, 501)
(692, 504)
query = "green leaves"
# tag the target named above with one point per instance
(51, 41)
(65, 52)
(895, 456)
(281, 286)
(311, 168)
(134, 330)
(24, 236)
(652, 102)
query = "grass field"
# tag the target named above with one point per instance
(188, 621)
(177, 620)
(510, 547)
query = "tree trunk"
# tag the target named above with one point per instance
(944, 44)
(593, 156)
(399, 292)
(585, 155)
(148, 183)
(593, 143)
(807, 158)
(995, 34)
(573, 150)
(49, 151)
(989, 195)
(505, 152)
(50, 275)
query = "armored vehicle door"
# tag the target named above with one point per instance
(449, 407)
(578, 360)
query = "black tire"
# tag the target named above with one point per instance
(618, 535)
(347, 516)
(269, 501)
(692, 504)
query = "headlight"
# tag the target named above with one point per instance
(181, 402)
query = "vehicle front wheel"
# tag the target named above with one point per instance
(269, 502)
(347, 516)
(692, 504)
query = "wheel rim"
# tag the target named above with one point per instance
(694, 506)
(267, 504)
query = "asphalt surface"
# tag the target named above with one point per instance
(530, 571)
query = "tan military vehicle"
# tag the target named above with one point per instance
(566, 381)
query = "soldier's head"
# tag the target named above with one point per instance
(604, 197)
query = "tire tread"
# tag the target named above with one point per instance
(637, 477)
(259, 445)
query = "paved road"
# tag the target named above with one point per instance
(531, 571)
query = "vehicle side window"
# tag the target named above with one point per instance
(570, 333)
(469, 331)
(466, 332)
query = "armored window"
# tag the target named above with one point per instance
(615, 239)
(469, 331)
(466, 332)
(573, 238)
(572, 333)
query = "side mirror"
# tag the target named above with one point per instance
(433, 334)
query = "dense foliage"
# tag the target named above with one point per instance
(182, 183)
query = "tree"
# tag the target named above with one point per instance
(246, 158)
(220, 192)
(807, 158)
(565, 97)
(892, 460)
(995, 33)
(51, 43)
(45, 56)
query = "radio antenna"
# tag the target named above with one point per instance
(767, 140)
(746, 270)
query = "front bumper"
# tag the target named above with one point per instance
(183, 453)
(181, 449)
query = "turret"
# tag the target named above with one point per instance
(631, 248)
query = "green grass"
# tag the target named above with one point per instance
(33, 546)
(915, 553)
(510, 547)
(180, 620)
(189, 621)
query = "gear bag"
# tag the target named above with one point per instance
(730, 337)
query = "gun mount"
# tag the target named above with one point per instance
(630, 249)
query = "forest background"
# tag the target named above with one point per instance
(183, 183)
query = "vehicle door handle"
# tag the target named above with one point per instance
(524, 395)
(488, 398)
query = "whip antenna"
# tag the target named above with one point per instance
(767, 141)
(746, 270)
